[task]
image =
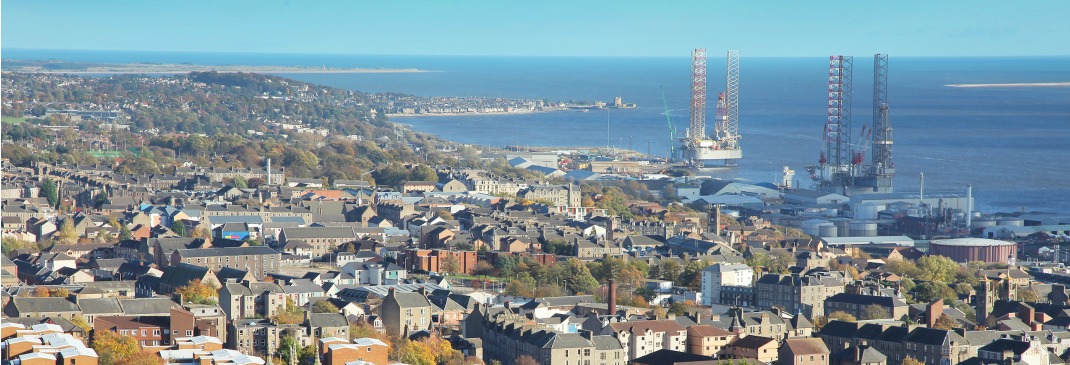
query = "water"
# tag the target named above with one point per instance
(1010, 143)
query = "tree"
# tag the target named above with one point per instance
(933, 290)
(451, 264)
(40, 292)
(49, 191)
(423, 173)
(670, 270)
(179, 228)
(936, 267)
(67, 234)
(324, 306)
(412, 352)
(113, 349)
(874, 311)
(240, 183)
(80, 321)
(526, 360)
(125, 234)
(578, 277)
(198, 292)
(944, 322)
(484, 268)
(678, 308)
(59, 293)
(289, 313)
(842, 316)
(1027, 295)
(909, 360)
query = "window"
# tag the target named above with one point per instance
(155, 332)
(189, 332)
(144, 332)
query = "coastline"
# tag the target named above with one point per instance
(470, 114)
(1019, 84)
(168, 69)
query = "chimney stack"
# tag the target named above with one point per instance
(269, 171)
(717, 220)
(612, 302)
(969, 208)
(933, 311)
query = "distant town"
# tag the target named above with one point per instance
(231, 218)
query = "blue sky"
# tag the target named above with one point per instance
(549, 28)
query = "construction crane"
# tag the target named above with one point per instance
(672, 129)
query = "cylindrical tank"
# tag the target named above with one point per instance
(811, 226)
(982, 223)
(842, 225)
(1010, 222)
(827, 231)
(863, 229)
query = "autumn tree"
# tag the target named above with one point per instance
(67, 234)
(40, 292)
(59, 293)
(526, 360)
(198, 292)
(842, 316)
(1027, 295)
(910, 360)
(944, 322)
(324, 306)
(113, 349)
(451, 265)
(412, 352)
(289, 313)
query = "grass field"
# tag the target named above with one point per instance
(12, 120)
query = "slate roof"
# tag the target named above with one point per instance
(806, 346)
(147, 306)
(183, 273)
(95, 306)
(327, 320)
(37, 305)
(319, 232)
(1006, 344)
(411, 300)
(670, 357)
(227, 251)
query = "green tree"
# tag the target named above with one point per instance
(874, 311)
(579, 278)
(179, 228)
(1027, 295)
(678, 308)
(240, 183)
(290, 313)
(423, 173)
(50, 192)
(936, 267)
(670, 270)
(933, 290)
(124, 233)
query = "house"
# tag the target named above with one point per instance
(644, 337)
(720, 275)
(803, 351)
(708, 340)
(257, 260)
(147, 331)
(41, 307)
(760, 348)
(328, 325)
(863, 306)
(182, 274)
(251, 299)
(322, 240)
(403, 313)
(367, 350)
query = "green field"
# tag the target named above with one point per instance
(12, 120)
(106, 154)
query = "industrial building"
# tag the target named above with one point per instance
(975, 249)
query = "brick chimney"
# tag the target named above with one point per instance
(612, 300)
(933, 311)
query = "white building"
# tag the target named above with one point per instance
(720, 275)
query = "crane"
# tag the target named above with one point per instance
(672, 130)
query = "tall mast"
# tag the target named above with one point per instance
(697, 129)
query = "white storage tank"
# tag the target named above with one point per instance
(982, 223)
(827, 231)
(1010, 222)
(863, 229)
(812, 226)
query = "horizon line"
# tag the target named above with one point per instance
(683, 55)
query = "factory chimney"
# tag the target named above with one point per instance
(921, 193)
(612, 297)
(717, 220)
(969, 205)
(269, 171)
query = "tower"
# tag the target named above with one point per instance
(730, 129)
(835, 160)
(697, 128)
(879, 175)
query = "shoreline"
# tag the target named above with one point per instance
(1019, 84)
(189, 70)
(470, 114)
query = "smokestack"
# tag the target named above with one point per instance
(612, 297)
(921, 193)
(969, 206)
(269, 171)
(717, 220)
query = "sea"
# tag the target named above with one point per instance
(1012, 144)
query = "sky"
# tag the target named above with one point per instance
(544, 28)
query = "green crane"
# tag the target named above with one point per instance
(672, 129)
